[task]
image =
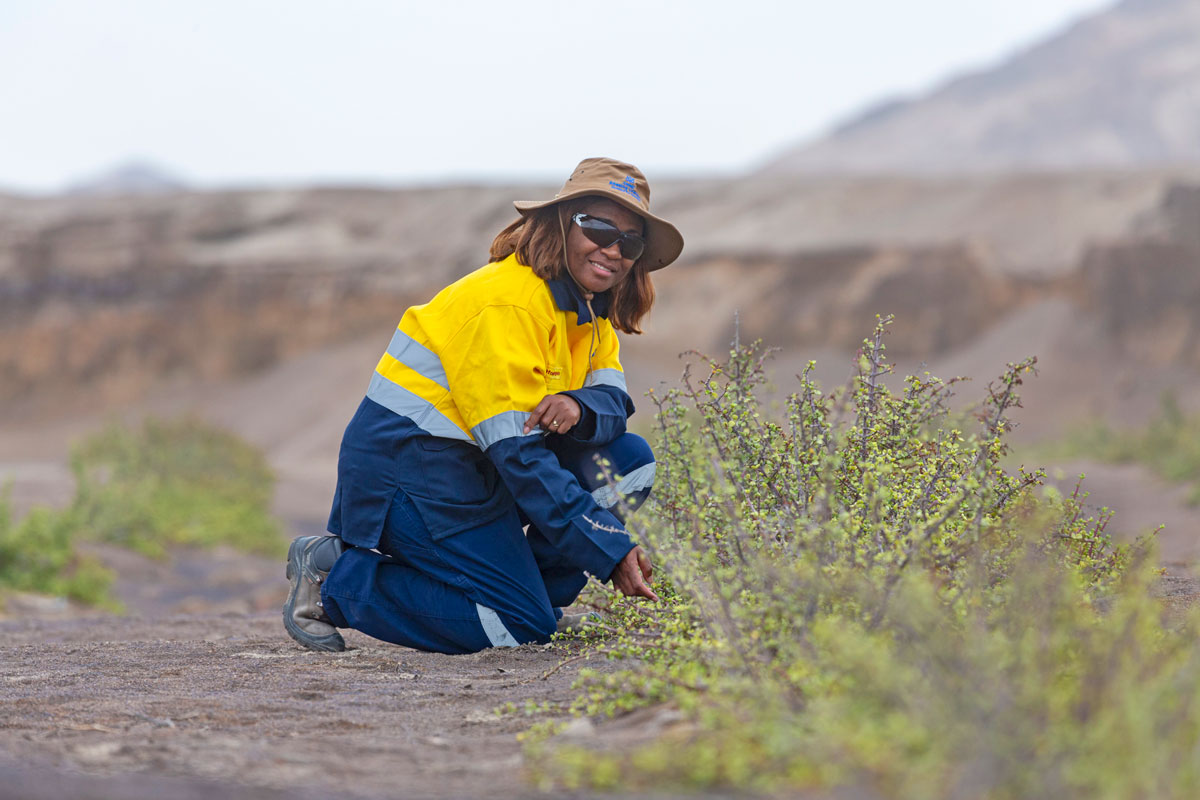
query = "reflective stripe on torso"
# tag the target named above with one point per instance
(474, 361)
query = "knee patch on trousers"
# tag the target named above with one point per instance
(538, 630)
(634, 488)
(632, 460)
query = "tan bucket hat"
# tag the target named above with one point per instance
(624, 184)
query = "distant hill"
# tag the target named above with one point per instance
(131, 177)
(1118, 89)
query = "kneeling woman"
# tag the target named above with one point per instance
(485, 416)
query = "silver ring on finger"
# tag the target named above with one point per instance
(554, 424)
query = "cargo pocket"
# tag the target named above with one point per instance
(459, 487)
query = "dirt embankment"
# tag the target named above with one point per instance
(1145, 291)
(104, 300)
(112, 297)
(828, 299)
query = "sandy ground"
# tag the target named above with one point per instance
(199, 692)
(228, 699)
(221, 703)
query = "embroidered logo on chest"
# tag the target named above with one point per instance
(554, 373)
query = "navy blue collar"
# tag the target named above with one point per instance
(568, 297)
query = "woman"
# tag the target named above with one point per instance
(486, 415)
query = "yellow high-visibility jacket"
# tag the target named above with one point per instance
(444, 414)
(473, 362)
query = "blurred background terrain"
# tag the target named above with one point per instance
(212, 217)
(1048, 205)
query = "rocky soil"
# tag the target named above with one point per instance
(199, 692)
(228, 702)
(223, 704)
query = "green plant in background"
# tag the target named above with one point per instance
(179, 482)
(1169, 445)
(38, 555)
(859, 594)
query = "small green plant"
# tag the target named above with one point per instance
(166, 483)
(1169, 445)
(38, 555)
(860, 594)
(178, 482)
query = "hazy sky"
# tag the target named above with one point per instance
(248, 92)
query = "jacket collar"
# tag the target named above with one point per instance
(568, 297)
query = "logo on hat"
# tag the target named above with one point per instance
(628, 187)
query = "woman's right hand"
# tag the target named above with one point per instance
(557, 413)
(632, 573)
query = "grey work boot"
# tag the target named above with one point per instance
(309, 560)
(571, 623)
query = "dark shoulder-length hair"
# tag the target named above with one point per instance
(537, 239)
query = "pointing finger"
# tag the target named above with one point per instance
(535, 416)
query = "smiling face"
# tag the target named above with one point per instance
(595, 268)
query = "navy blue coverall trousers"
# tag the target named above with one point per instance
(491, 585)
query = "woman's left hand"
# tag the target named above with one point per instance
(557, 413)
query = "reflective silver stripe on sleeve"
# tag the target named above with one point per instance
(411, 353)
(422, 412)
(642, 477)
(607, 377)
(505, 425)
(497, 634)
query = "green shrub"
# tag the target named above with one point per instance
(858, 594)
(1169, 445)
(174, 482)
(38, 555)
(166, 483)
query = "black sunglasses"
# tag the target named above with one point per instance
(604, 233)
